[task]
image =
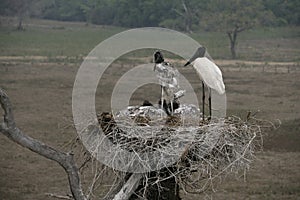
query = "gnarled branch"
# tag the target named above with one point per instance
(129, 187)
(9, 129)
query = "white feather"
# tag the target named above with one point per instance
(210, 74)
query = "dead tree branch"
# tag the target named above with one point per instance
(8, 128)
(129, 187)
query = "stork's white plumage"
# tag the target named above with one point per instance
(210, 74)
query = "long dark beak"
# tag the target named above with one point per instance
(192, 59)
(186, 64)
(198, 54)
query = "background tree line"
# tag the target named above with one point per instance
(179, 14)
(230, 16)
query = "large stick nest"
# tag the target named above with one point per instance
(208, 149)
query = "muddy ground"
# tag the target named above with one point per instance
(41, 97)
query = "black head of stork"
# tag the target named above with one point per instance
(198, 54)
(158, 57)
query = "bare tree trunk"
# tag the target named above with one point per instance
(22, 11)
(232, 37)
(187, 18)
(232, 34)
(8, 128)
(20, 24)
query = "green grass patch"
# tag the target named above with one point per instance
(51, 42)
(52, 39)
(217, 43)
(259, 44)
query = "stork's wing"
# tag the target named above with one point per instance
(210, 74)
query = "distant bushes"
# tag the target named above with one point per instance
(175, 14)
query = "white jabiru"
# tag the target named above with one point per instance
(210, 75)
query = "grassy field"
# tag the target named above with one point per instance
(52, 39)
(38, 68)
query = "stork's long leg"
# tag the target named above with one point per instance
(172, 110)
(162, 97)
(203, 100)
(209, 103)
